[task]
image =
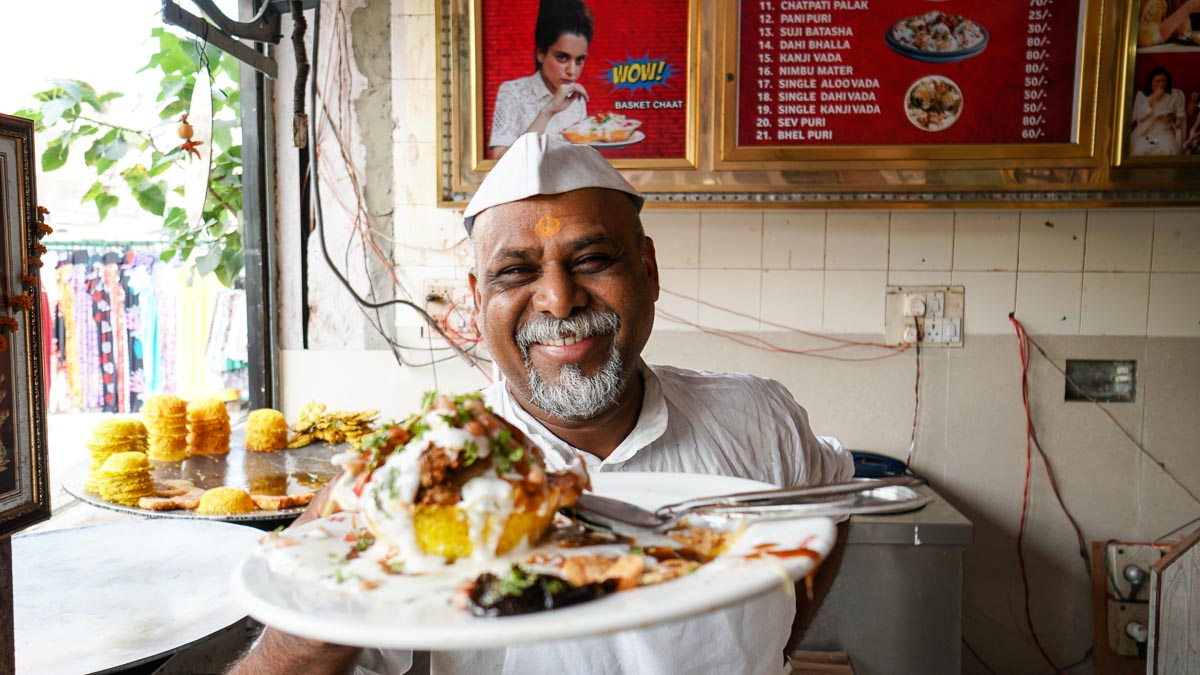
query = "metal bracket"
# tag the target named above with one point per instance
(223, 31)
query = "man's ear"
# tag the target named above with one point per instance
(651, 263)
(473, 283)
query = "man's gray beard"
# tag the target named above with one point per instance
(575, 396)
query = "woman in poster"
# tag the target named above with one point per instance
(551, 99)
(1192, 145)
(1157, 23)
(1159, 117)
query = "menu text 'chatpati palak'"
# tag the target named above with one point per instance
(903, 72)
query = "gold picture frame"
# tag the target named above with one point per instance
(1142, 134)
(461, 88)
(24, 478)
(1086, 177)
(1080, 150)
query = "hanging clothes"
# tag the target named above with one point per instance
(127, 325)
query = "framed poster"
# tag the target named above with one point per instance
(628, 77)
(1158, 112)
(24, 481)
(819, 80)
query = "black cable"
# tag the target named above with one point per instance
(319, 213)
(977, 656)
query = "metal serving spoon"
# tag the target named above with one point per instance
(886, 495)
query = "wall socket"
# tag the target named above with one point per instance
(934, 313)
(442, 295)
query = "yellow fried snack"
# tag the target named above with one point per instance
(225, 501)
(266, 430)
(166, 421)
(313, 423)
(124, 478)
(451, 482)
(208, 428)
(112, 435)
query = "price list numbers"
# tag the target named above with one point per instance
(1036, 98)
(765, 71)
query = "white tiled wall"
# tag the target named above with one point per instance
(1064, 272)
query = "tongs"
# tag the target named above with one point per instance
(885, 495)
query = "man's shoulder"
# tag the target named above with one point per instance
(676, 377)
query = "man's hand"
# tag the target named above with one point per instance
(279, 652)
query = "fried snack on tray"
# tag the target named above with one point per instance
(225, 501)
(278, 502)
(124, 478)
(111, 436)
(339, 426)
(172, 495)
(208, 428)
(452, 482)
(166, 422)
(266, 431)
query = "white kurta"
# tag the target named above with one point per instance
(696, 422)
(519, 101)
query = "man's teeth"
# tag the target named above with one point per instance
(562, 342)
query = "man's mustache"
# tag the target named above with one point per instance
(581, 326)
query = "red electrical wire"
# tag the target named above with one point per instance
(1023, 349)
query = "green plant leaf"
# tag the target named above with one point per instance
(105, 203)
(96, 190)
(208, 262)
(166, 255)
(53, 110)
(117, 148)
(152, 197)
(55, 156)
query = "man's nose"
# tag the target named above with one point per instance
(558, 294)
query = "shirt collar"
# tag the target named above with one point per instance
(536, 87)
(651, 424)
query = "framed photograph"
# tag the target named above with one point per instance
(627, 77)
(1004, 83)
(24, 478)
(1158, 113)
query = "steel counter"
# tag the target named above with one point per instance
(896, 604)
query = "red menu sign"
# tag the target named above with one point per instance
(907, 72)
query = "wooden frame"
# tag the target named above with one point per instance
(24, 479)
(1139, 128)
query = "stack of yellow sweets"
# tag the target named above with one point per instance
(124, 478)
(208, 428)
(166, 420)
(266, 431)
(110, 437)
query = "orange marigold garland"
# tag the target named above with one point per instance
(24, 301)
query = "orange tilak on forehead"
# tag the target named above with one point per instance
(547, 226)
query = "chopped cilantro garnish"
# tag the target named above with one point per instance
(470, 453)
(396, 567)
(429, 399)
(637, 550)
(516, 581)
(554, 586)
(365, 540)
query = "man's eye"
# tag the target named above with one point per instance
(593, 263)
(512, 272)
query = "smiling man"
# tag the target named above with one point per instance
(564, 284)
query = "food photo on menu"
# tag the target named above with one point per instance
(602, 73)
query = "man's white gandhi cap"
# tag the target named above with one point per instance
(537, 164)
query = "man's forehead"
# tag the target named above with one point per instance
(547, 216)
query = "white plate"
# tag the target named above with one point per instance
(637, 137)
(914, 114)
(112, 596)
(415, 612)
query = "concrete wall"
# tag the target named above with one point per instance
(1119, 284)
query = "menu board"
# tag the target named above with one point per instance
(907, 72)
